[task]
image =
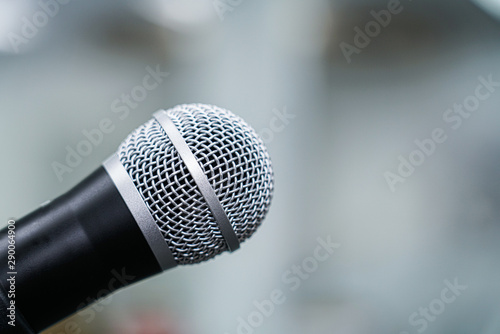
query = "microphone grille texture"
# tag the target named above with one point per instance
(233, 158)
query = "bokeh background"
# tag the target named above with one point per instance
(351, 123)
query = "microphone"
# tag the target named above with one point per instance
(189, 184)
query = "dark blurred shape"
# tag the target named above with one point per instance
(417, 34)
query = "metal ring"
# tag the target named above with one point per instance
(140, 212)
(200, 179)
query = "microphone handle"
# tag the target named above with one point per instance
(78, 248)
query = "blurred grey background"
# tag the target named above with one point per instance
(351, 123)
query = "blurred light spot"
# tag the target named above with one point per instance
(491, 6)
(11, 14)
(178, 15)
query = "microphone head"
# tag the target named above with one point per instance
(233, 158)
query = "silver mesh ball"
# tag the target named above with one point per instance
(233, 158)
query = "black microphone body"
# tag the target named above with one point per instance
(71, 251)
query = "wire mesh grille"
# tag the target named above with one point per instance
(233, 158)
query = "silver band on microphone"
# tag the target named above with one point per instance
(200, 179)
(140, 212)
